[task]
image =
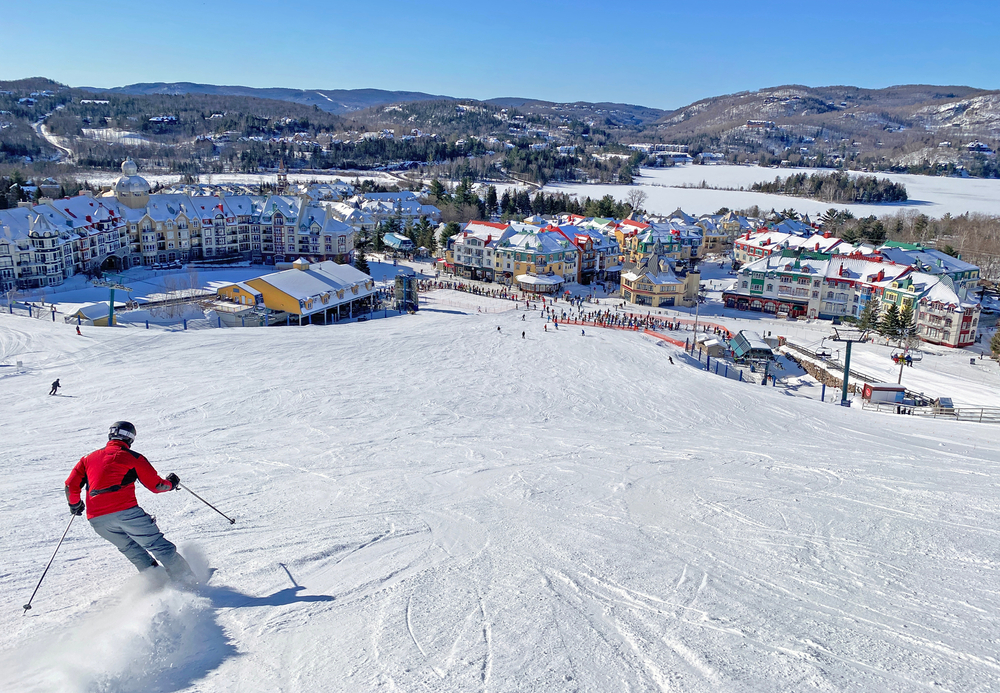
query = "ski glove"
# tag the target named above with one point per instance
(76, 508)
(174, 481)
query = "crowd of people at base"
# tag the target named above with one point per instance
(620, 318)
(606, 318)
(504, 293)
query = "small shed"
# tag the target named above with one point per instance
(749, 346)
(95, 314)
(714, 347)
(882, 393)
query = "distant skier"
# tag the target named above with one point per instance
(498, 328)
(522, 334)
(583, 333)
(110, 475)
(78, 331)
(55, 386)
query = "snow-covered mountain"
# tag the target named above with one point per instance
(430, 503)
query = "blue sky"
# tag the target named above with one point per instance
(664, 54)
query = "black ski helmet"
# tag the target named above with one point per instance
(122, 430)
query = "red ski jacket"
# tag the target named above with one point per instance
(110, 475)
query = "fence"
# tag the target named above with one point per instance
(973, 414)
(32, 310)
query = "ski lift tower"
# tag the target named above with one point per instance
(406, 296)
(849, 335)
(112, 285)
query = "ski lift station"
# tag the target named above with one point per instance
(397, 241)
(750, 346)
(405, 295)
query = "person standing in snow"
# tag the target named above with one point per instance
(55, 386)
(110, 475)
(78, 331)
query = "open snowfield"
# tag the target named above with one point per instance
(934, 196)
(425, 503)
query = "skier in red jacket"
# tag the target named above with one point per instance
(110, 475)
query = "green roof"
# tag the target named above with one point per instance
(903, 246)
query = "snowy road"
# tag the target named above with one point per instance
(425, 503)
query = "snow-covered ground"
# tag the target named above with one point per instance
(934, 196)
(428, 503)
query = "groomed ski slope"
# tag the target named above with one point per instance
(424, 503)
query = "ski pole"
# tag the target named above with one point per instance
(28, 605)
(231, 520)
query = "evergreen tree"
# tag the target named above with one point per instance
(995, 345)
(438, 190)
(907, 325)
(450, 230)
(360, 261)
(869, 318)
(888, 325)
(492, 204)
(506, 204)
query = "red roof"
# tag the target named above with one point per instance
(633, 222)
(492, 224)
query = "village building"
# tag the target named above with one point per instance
(43, 244)
(800, 283)
(539, 260)
(306, 293)
(656, 281)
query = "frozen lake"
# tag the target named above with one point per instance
(934, 196)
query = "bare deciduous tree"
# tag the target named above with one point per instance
(636, 198)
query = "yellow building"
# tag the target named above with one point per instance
(318, 292)
(537, 252)
(654, 282)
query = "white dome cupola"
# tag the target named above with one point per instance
(132, 190)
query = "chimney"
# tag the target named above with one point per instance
(826, 234)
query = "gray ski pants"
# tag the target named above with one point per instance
(135, 534)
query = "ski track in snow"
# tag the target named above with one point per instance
(424, 503)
